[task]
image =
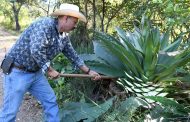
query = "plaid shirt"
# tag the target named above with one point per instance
(40, 43)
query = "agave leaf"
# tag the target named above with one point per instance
(132, 100)
(125, 56)
(137, 90)
(125, 60)
(132, 50)
(174, 46)
(148, 54)
(73, 112)
(129, 89)
(104, 36)
(130, 105)
(180, 109)
(128, 83)
(152, 88)
(182, 59)
(119, 82)
(137, 84)
(167, 72)
(162, 94)
(135, 38)
(129, 76)
(138, 38)
(101, 66)
(164, 60)
(185, 78)
(170, 70)
(170, 79)
(158, 113)
(156, 36)
(122, 34)
(138, 79)
(159, 89)
(126, 110)
(107, 70)
(103, 54)
(164, 40)
(91, 57)
(145, 90)
(152, 93)
(152, 46)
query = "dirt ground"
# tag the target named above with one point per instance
(30, 110)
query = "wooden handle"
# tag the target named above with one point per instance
(85, 76)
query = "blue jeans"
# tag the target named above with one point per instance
(16, 84)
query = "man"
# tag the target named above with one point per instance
(29, 59)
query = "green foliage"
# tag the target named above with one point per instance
(62, 64)
(135, 109)
(69, 89)
(168, 109)
(80, 38)
(87, 112)
(60, 87)
(6, 14)
(27, 12)
(125, 111)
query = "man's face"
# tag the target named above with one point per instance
(67, 23)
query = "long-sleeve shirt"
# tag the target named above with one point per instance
(40, 43)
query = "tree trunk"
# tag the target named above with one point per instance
(94, 14)
(103, 13)
(114, 14)
(86, 10)
(48, 8)
(17, 22)
(16, 16)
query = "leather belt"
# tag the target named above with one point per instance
(23, 68)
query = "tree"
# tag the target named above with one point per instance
(6, 13)
(47, 6)
(105, 11)
(16, 6)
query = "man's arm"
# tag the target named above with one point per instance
(71, 54)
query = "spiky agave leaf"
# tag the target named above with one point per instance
(126, 110)
(172, 106)
(74, 112)
(127, 59)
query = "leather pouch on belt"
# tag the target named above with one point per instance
(6, 64)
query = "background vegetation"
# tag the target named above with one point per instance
(144, 42)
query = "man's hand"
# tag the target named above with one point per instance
(52, 73)
(95, 74)
(85, 69)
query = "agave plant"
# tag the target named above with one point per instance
(140, 58)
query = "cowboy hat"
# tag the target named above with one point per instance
(69, 10)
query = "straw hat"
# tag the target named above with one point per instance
(69, 10)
